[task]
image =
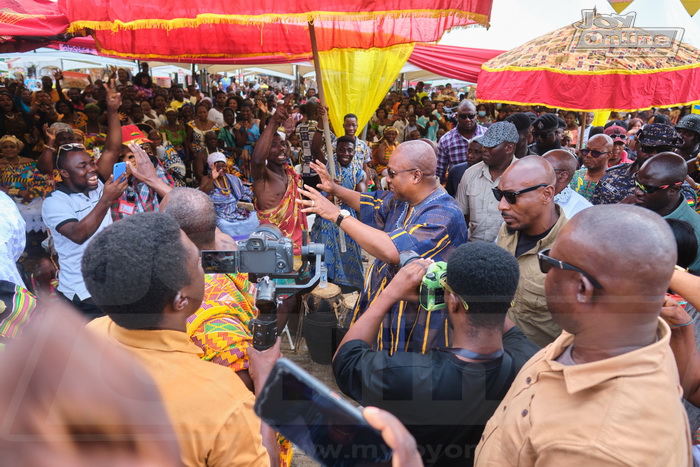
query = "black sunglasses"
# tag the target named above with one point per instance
(547, 262)
(649, 189)
(467, 116)
(595, 154)
(511, 196)
(391, 174)
(655, 149)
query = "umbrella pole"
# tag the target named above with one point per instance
(581, 130)
(322, 97)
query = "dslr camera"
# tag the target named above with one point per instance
(266, 255)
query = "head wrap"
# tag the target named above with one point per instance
(131, 133)
(215, 157)
(60, 127)
(14, 139)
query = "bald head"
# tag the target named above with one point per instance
(532, 170)
(666, 168)
(195, 213)
(592, 240)
(564, 165)
(419, 154)
(600, 141)
(466, 105)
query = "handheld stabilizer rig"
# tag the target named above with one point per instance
(267, 255)
(432, 294)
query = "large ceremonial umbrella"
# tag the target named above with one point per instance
(361, 44)
(564, 69)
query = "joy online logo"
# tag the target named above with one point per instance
(597, 31)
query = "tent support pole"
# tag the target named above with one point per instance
(322, 97)
(581, 130)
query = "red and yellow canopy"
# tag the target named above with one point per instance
(554, 71)
(160, 29)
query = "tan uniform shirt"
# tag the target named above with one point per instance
(210, 408)
(621, 411)
(476, 200)
(529, 311)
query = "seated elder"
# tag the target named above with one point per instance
(226, 191)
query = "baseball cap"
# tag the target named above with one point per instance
(617, 133)
(499, 132)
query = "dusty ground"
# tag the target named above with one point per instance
(322, 372)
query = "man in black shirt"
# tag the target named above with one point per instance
(443, 396)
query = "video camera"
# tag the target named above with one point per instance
(432, 295)
(267, 255)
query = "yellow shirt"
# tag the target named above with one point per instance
(621, 411)
(529, 311)
(177, 104)
(210, 408)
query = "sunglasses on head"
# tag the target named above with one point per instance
(595, 154)
(547, 262)
(391, 174)
(649, 189)
(467, 116)
(512, 196)
(68, 148)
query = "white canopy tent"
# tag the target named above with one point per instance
(43, 57)
(514, 22)
(666, 13)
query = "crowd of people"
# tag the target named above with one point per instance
(567, 330)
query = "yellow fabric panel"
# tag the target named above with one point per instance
(601, 118)
(356, 80)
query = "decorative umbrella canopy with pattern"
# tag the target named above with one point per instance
(553, 71)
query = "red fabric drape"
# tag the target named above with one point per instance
(452, 62)
(31, 18)
(159, 29)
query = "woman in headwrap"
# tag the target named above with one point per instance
(385, 148)
(226, 191)
(20, 179)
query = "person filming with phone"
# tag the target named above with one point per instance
(445, 396)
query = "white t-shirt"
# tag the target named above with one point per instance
(61, 207)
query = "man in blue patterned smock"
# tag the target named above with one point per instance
(416, 214)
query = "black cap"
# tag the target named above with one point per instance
(548, 122)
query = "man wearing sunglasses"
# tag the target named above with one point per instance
(618, 155)
(595, 161)
(657, 188)
(416, 214)
(532, 222)
(79, 207)
(617, 183)
(453, 146)
(564, 164)
(606, 392)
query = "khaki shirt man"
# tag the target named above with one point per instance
(529, 311)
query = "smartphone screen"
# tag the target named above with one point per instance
(317, 420)
(119, 170)
(219, 262)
